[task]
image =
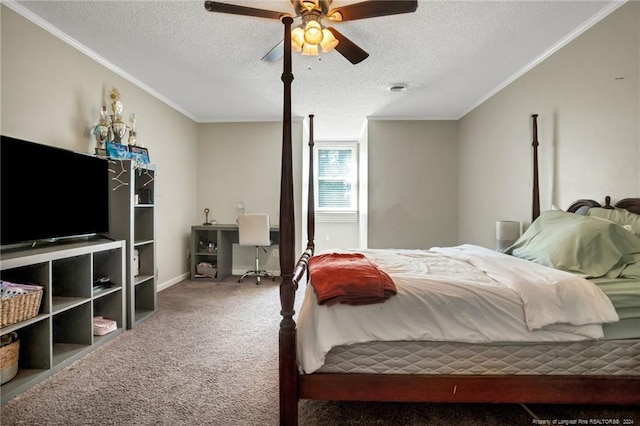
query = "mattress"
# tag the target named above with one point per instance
(589, 357)
(618, 353)
(462, 294)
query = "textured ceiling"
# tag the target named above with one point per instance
(452, 55)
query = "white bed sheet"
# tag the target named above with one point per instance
(444, 297)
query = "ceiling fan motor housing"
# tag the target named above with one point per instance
(319, 6)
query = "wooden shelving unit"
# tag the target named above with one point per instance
(62, 331)
(132, 218)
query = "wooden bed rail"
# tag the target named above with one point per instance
(299, 273)
(541, 389)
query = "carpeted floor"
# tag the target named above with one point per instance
(209, 357)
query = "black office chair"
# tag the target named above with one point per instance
(253, 230)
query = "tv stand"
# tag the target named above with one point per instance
(49, 243)
(62, 331)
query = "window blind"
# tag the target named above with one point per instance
(337, 182)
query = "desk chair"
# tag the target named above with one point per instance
(253, 230)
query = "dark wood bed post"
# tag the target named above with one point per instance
(311, 208)
(287, 335)
(535, 205)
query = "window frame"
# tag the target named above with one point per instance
(337, 214)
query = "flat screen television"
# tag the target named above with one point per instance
(49, 193)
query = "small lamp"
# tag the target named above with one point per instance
(239, 209)
(507, 233)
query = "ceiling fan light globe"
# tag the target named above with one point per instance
(297, 39)
(313, 33)
(310, 49)
(329, 42)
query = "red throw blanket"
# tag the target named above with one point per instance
(349, 278)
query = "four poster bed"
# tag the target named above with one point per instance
(520, 349)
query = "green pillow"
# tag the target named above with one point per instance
(622, 217)
(632, 269)
(578, 244)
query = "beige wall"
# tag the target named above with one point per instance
(52, 93)
(242, 162)
(413, 184)
(587, 98)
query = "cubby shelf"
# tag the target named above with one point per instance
(132, 219)
(205, 241)
(62, 331)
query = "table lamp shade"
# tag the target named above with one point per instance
(507, 232)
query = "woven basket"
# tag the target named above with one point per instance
(9, 361)
(19, 308)
(207, 269)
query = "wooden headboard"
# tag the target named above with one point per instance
(630, 204)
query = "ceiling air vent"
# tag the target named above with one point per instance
(397, 88)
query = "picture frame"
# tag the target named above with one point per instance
(139, 153)
(117, 151)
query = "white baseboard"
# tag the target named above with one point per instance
(173, 281)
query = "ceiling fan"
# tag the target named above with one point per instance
(311, 35)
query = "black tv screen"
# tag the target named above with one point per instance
(50, 193)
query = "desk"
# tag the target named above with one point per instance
(214, 244)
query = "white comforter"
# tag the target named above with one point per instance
(464, 294)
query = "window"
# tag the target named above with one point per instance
(336, 182)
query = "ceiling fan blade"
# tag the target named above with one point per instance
(275, 53)
(372, 9)
(216, 6)
(347, 48)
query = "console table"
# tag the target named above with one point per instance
(214, 244)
